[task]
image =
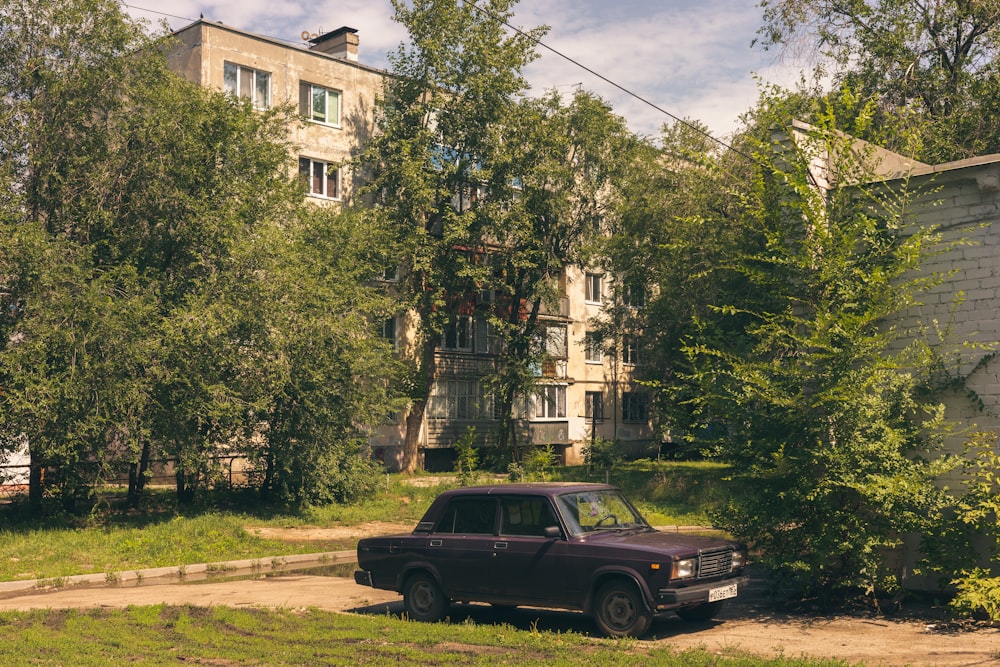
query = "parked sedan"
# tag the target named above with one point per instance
(562, 545)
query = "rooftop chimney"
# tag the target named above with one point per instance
(340, 43)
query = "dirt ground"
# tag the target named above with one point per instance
(751, 623)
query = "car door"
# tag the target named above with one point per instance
(527, 565)
(461, 545)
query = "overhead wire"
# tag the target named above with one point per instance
(600, 76)
(558, 53)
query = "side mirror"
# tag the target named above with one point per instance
(553, 532)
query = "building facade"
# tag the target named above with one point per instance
(585, 390)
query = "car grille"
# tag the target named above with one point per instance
(715, 563)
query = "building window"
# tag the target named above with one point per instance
(460, 399)
(389, 331)
(635, 406)
(630, 349)
(594, 406)
(549, 402)
(555, 342)
(454, 399)
(593, 353)
(322, 178)
(634, 294)
(319, 104)
(248, 83)
(487, 338)
(594, 284)
(458, 334)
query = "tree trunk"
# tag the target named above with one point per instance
(35, 481)
(137, 476)
(415, 417)
(185, 488)
(411, 445)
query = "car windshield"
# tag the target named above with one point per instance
(603, 509)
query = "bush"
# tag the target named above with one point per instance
(467, 458)
(536, 466)
(602, 454)
(977, 512)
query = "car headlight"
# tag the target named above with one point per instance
(683, 568)
(739, 560)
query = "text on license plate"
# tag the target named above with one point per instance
(722, 593)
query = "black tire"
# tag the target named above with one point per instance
(619, 610)
(700, 612)
(423, 599)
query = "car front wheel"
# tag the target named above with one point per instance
(423, 599)
(620, 611)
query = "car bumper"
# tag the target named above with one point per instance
(363, 578)
(670, 598)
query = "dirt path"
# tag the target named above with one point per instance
(749, 624)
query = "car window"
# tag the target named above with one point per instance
(526, 516)
(474, 516)
(596, 510)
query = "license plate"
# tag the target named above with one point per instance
(722, 593)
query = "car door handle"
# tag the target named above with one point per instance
(435, 543)
(500, 545)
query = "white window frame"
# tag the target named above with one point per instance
(630, 350)
(594, 399)
(389, 331)
(548, 403)
(593, 353)
(486, 337)
(330, 172)
(234, 80)
(635, 294)
(631, 400)
(594, 288)
(462, 329)
(308, 93)
(460, 400)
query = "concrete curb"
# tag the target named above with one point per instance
(194, 572)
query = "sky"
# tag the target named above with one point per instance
(690, 58)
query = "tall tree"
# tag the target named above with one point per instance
(568, 158)
(147, 226)
(814, 401)
(934, 63)
(438, 165)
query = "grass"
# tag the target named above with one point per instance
(161, 535)
(170, 635)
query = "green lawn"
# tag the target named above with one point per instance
(164, 635)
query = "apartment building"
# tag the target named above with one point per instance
(583, 392)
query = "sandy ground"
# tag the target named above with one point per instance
(748, 624)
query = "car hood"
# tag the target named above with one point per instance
(660, 542)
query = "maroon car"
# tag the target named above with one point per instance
(565, 545)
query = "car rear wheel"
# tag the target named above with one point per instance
(423, 599)
(700, 612)
(620, 611)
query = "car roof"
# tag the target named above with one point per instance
(529, 488)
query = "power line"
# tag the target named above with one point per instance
(155, 11)
(625, 90)
(562, 55)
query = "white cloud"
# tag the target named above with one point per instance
(690, 58)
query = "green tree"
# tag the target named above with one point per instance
(148, 227)
(568, 159)
(819, 397)
(674, 234)
(441, 175)
(326, 378)
(932, 63)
